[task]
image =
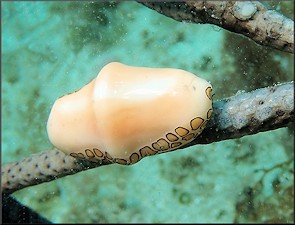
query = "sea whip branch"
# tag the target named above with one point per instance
(243, 114)
(250, 18)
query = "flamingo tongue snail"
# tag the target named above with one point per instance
(127, 113)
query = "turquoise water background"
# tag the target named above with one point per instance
(53, 48)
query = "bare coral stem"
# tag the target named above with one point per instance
(250, 18)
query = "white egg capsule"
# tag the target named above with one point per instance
(127, 113)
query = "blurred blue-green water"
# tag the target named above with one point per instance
(53, 48)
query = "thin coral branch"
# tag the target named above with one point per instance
(250, 18)
(249, 113)
(243, 114)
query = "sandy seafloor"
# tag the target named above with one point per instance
(53, 48)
